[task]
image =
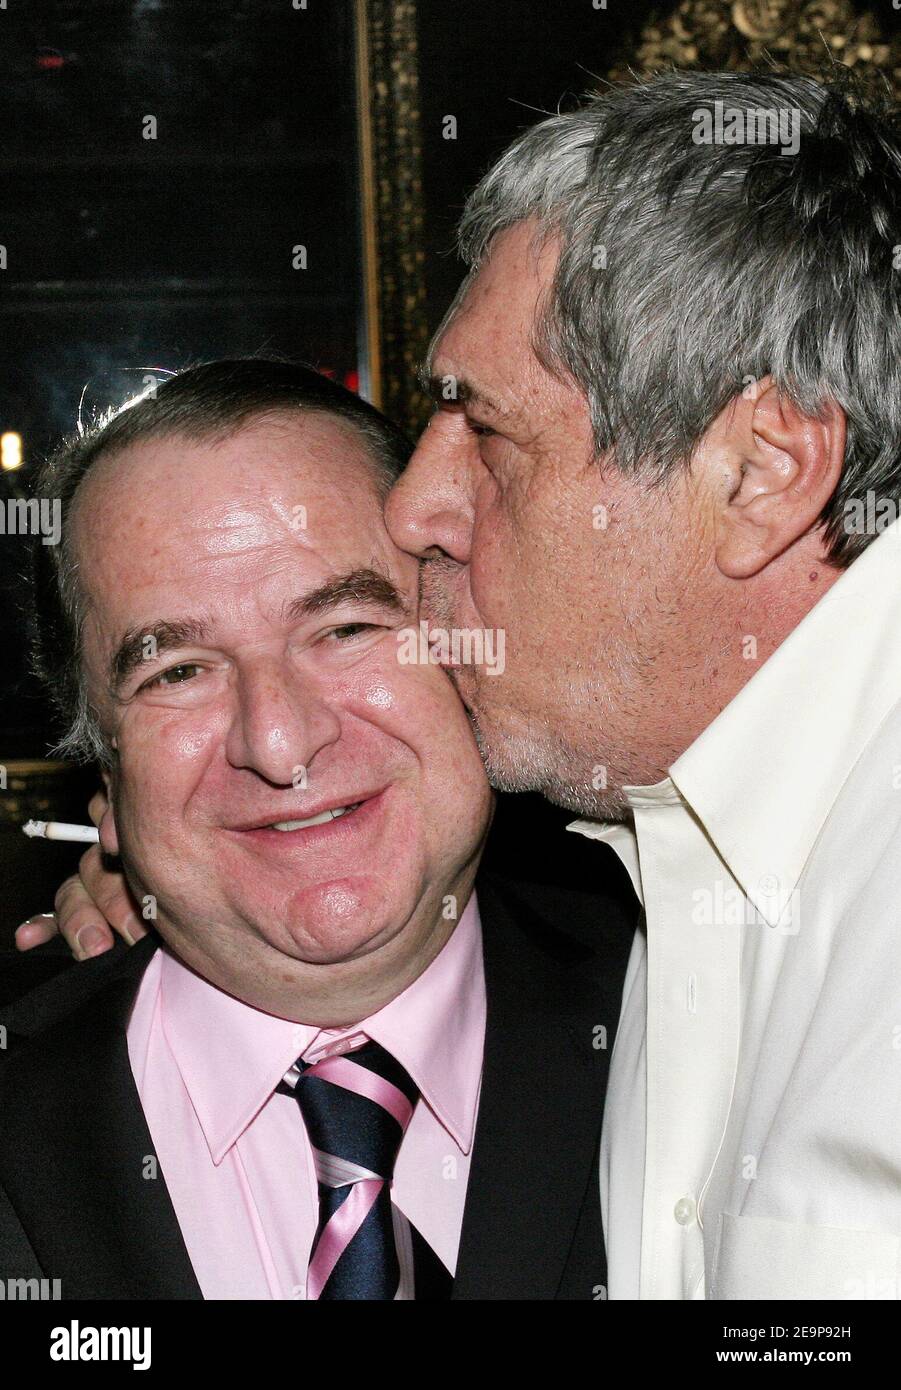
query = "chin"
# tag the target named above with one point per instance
(336, 921)
(512, 761)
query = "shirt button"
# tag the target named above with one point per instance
(684, 1210)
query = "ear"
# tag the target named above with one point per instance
(109, 835)
(782, 467)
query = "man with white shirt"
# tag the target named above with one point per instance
(667, 442)
(331, 1072)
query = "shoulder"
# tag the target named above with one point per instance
(40, 988)
(23, 971)
(530, 839)
(546, 881)
(571, 925)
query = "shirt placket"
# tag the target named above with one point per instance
(693, 1018)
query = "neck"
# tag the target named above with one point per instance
(751, 622)
(776, 602)
(334, 994)
(766, 611)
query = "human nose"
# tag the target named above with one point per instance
(429, 509)
(281, 722)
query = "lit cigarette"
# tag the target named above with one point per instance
(60, 830)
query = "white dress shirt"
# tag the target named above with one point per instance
(752, 1136)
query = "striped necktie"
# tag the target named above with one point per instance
(356, 1108)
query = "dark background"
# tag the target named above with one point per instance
(498, 66)
(127, 255)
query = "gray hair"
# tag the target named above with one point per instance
(688, 270)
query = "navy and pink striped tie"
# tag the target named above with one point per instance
(356, 1108)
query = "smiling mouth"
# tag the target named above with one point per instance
(322, 819)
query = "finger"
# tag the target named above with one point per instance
(81, 923)
(36, 931)
(111, 895)
(98, 807)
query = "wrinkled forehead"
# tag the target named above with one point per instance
(488, 332)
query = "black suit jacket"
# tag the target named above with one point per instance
(75, 1204)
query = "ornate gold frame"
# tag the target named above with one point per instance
(396, 331)
(806, 35)
(734, 34)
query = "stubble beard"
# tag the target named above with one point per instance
(523, 761)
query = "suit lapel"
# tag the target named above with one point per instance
(534, 1167)
(79, 1171)
(76, 1157)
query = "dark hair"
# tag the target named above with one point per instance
(204, 401)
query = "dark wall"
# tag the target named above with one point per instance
(497, 67)
(126, 254)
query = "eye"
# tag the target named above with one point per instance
(175, 675)
(481, 430)
(348, 631)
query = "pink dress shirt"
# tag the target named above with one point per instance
(235, 1155)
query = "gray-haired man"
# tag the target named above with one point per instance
(668, 435)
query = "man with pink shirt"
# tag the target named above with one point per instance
(330, 1070)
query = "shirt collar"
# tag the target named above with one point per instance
(622, 838)
(435, 1029)
(763, 776)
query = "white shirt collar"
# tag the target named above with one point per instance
(764, 774)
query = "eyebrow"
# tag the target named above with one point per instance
(365, 586)
(467, 392)
(130, 653)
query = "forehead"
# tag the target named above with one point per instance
(488, 340)
(297, 490)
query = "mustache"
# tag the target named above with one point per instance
(434, 575)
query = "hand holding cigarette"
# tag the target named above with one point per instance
(94, 905)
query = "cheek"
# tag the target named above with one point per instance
(454, 796)
(397, 694)
(494, 562)
(163, 756)
(371, 691)
(512, 563)
(415, 705)
(377, 696)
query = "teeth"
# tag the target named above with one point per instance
(321, 819)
